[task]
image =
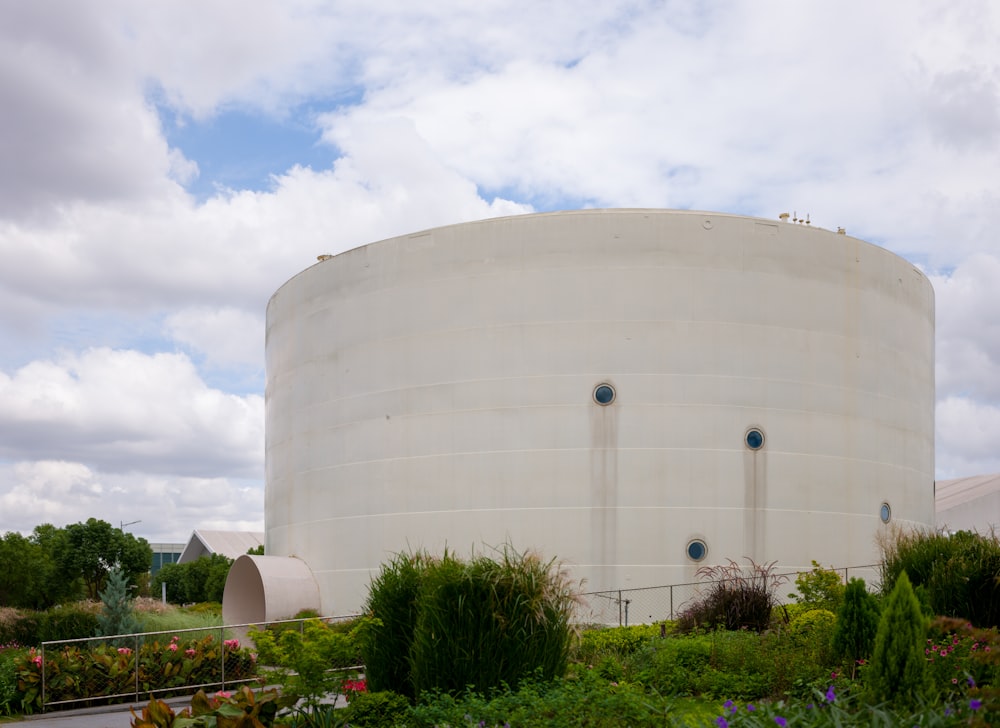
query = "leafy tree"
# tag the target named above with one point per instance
(898, 668)
(24, 567)
(117, 616)
(90, 550)
(857, 624)
(256, 550)
(201, 580)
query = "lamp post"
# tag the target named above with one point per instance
(121, 525)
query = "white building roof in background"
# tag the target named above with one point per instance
(968, 504)
(228, 543)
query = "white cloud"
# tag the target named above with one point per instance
(166, 508)
(967, 435)
(224, 336)
(880, 117)
(968, 330)
(123, 410)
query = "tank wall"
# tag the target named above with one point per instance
(436, 389)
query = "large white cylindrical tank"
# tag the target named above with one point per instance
(772, 384)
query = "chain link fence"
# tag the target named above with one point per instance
(658, 603)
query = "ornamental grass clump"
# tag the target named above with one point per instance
(452, 623)
(392, 602)
(737, 597)
(491, 621)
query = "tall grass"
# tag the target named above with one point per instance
(491, 621)
(958, 571)
(392, 601)
(175, 619)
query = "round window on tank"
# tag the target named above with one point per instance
(604, 394)
(754, 438)
(885, 513)
(697, 550)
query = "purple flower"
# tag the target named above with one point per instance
(728, 705)
(975, 704)
(972, 683)
(722, 722)
(780, 721)
(830, 695)
(750, 707)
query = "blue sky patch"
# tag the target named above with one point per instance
(242, 151)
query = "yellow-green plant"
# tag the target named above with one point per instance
(312, 663)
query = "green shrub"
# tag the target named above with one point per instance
(596, 644)
(897, 673)
(68, 622)
(374, 710)
(857, 625)
(819, 589)
(489, 622)
(314, 661)
(9, 657)
(737, 598)
(812, 632)
(585, 701)
(392, 602)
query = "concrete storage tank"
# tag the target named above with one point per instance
(635, 392)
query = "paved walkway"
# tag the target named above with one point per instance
(108, 716)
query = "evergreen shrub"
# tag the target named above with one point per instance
(857, 625)
(897, 674)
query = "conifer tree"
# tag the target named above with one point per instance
(116, 615)
(898, 668)
(857, 624)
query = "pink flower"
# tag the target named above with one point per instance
(124, 651)
(37, 659)
(223, 694)
(190, 652)
(232, 644)
(172, 647)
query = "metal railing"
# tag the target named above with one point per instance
(186, 659)
(646, 605)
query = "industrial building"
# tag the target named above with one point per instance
(635, 392)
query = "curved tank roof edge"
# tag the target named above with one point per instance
(599, 211)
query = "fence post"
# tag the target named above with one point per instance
(135, 665)
(671, 602)
(43, 677)
(619, 607)
(222, 644)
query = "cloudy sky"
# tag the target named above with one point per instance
(166, 165)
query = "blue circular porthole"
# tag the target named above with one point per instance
(885, 513)
(604, 394)
(754, 439)
(697, 550)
